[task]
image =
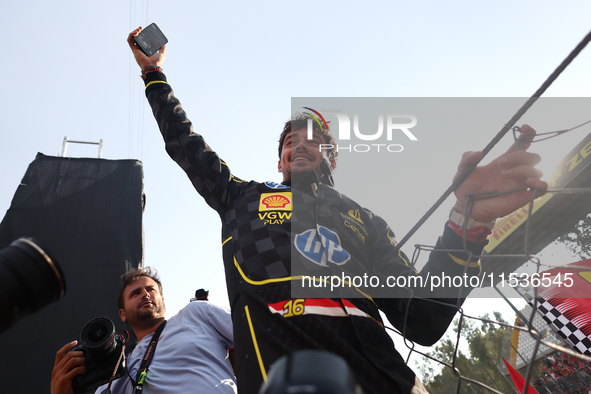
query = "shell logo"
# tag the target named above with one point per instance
(275, 201)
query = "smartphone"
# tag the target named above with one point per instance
(150, 39)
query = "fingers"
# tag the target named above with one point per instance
(527, 130)
(65, 360)
(521, 165)
(536, 183)
(140, 57)
(518, 158)
(469, 158)
(523, 172)
(62, 352)
(68, 364)
(524, 140)
(130, 40)
(75, 366)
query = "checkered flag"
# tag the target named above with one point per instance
(554, 316)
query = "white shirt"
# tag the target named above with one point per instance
(191, 355)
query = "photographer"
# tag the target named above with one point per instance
(192, 352)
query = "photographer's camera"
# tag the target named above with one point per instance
(103, 354)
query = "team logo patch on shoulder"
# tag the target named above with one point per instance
(275, 185)
(352, 220)
(355, 215)
(275, 202)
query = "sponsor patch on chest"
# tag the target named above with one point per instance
(275, 208)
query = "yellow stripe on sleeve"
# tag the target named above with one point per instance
(463, 262)
(153, 82)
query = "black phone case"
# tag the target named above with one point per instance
(150, 39)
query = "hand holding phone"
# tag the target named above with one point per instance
(156, 59)
(150, 39)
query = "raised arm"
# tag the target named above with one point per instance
(430, 314)
(209, 174)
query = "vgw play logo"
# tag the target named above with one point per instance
(393, 127)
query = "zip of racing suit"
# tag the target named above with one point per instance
(264, 229)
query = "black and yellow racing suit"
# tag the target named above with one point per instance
(260, 243)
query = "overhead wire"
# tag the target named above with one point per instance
(462, 177)
(136, 100)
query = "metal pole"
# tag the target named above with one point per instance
(64, 146)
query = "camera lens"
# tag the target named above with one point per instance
(98, 337)
(97, 333)
(29, 280)
(103, 354)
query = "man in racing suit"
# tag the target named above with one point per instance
(264, 245)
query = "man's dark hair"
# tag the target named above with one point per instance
(134, 275)
(300, 120)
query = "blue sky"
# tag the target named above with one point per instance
(67, 71)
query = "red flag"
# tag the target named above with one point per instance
(518, 379)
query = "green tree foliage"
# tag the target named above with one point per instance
(476, 358)
(578, 240)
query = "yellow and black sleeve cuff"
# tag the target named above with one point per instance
(155, 80)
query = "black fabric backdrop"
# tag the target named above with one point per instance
(88, 214)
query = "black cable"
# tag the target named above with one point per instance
(500, 135)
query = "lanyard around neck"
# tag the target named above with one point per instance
(138, 385)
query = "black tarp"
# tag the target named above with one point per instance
(88, 214)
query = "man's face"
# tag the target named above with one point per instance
(301, 155)
(142, 302)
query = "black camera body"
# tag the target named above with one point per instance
(102, 350)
